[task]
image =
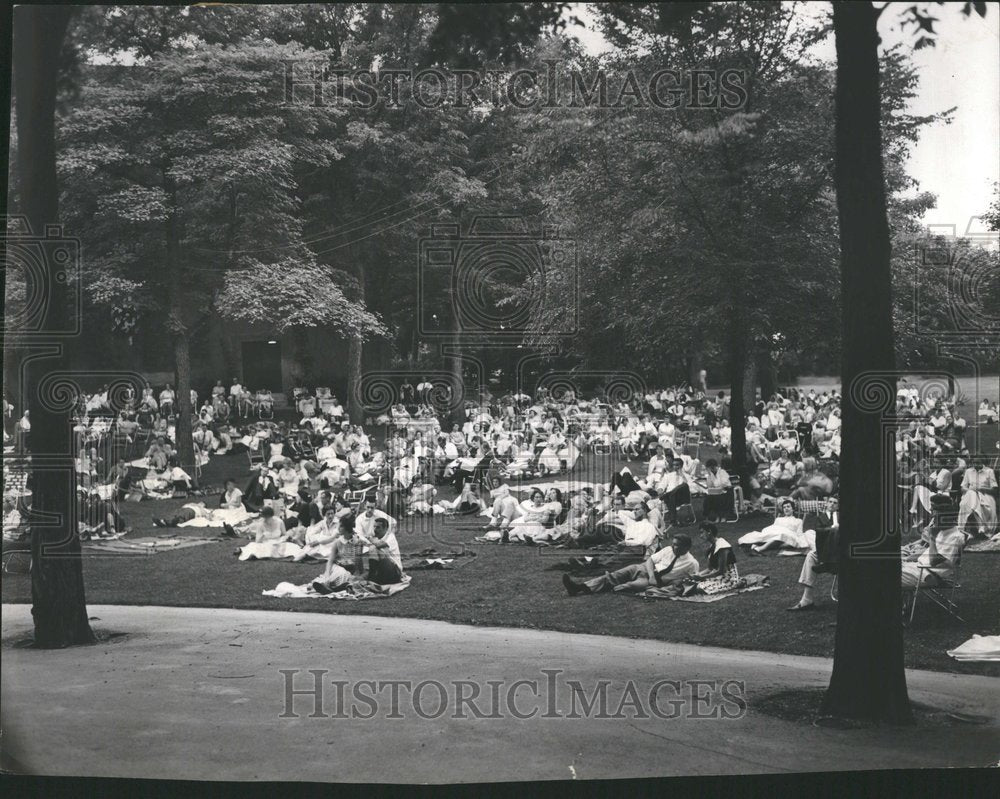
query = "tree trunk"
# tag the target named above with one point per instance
(868, 680)
(457, 381)
(749, 381)
(737, 406)
(766, 377)
(355, 410)
(181, 340)
(182, 367)
(58, 604)
(695, 364)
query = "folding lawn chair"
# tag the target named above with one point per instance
(938, 590)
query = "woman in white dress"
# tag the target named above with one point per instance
(548, 458)
(270, 538)
(536, 513)
(785, 532)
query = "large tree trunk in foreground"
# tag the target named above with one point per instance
(868, 680)
(58, 605)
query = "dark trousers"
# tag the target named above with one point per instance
(718, 506)
(183, 515)
(384, 571)
(674, 499)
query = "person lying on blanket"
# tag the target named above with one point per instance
(669, 565)
(197, 510)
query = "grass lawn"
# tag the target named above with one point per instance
(517, 586)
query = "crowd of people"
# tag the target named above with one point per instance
(317, 477)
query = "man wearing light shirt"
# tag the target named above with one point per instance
(669, 565)
(364, 524)
(641, 532)
(674, 489)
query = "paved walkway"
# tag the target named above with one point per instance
(198, 694)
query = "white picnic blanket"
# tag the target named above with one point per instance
(361, 589)
(219, 517)
(978, 648)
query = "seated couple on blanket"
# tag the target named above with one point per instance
(346, 561)
(672, 567)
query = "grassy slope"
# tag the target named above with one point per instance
(520, 587)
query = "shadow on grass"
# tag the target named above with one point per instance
(803, 706)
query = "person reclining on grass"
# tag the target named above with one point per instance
(666, 566)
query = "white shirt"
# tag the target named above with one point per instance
(365, 524)
(392, 551)
(979, 479)
(640, 533)
(685, 565)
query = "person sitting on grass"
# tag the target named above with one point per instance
(319, 537)
(346, 559)
(364, 524)
(721, 560)
(261, 488)
(231, 498)
(667, 566)
(785, 531)
(385, 565)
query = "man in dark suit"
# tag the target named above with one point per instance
(259, 489)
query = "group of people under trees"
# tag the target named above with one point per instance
(320, 481)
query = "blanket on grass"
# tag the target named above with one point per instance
(432, 560)
(148, 545)
(749, 582)
(356, 590)
(978, 648)
(989, 545)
